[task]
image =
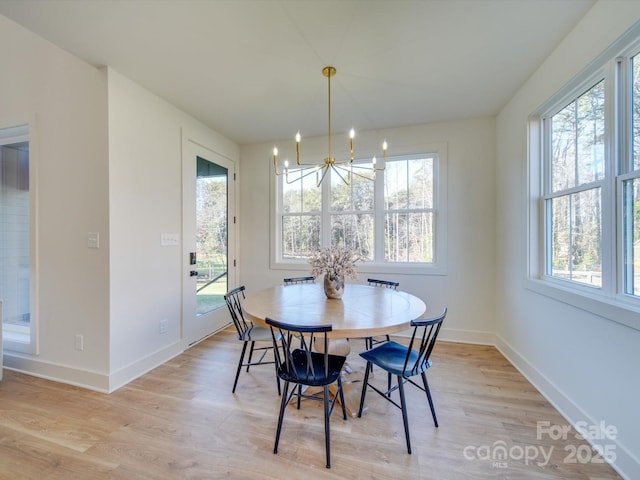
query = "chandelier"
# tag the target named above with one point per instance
(345, 169)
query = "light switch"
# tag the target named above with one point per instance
(169, 239)
(93, 240)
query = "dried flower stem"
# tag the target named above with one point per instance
(334, 261)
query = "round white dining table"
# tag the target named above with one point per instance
(363, 310)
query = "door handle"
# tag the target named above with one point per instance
(193, 273)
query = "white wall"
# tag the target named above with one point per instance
(585, 364)
(468, 289)
(145, 177)
(65, 101)
(108, 156)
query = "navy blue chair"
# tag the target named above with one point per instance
(383, 283)
(294, 280)
(304, 365)
(248, 333)
(405, 362)
(371, 341)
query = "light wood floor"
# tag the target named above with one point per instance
(181, 421)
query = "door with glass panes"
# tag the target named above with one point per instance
(208, 231)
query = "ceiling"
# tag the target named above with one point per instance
(251, 69)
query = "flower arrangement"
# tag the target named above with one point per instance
(335, 262)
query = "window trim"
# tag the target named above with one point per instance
(440, 264)
(610, 301)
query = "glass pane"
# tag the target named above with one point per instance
(560, 237)
(576, 237)
(578, 141)
(421, 183)
(636, 111)
(408, 237)
(631, 238)
(15, 260)
(354, 231)
(395, 185)
(301, 195)
(358, 196)
(300, 236)
(211, 236)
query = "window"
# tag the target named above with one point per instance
(630, 184)
(409, 211)
(573, 197)
(396, 222)
(584, 174)
(16, 264)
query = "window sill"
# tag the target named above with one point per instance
(608, 308)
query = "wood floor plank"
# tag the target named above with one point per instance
(181, 421)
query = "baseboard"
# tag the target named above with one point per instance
(458, 336)
(56, 372)
(626, 464)
(467, 336)
(99, 382)
(124, 375)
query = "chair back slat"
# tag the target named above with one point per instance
(296, 357)
(423, 339)
(383, 283)
(295, 280)
(234, 299)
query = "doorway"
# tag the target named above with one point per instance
(208, 233)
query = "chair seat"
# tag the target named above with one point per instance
(390, 356)
(256, 334)
(301, 374)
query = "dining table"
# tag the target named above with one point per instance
(363, 311)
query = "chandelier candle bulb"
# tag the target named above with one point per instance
(352, 133)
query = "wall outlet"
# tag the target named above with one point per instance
(164, 325)
(93, 240)
(79, 342)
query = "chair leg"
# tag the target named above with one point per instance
(244, 348)
(277, 378)
(299, 395)
(327, 433)
(426, 389)
(403, 404)
(365, 382)
(341, 393)
(283, 406)
(253, 344)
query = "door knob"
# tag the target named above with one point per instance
(193, 273)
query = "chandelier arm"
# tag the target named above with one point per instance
(325, 169)
(342, 162)
(337, 168)
(303, 172)
(361, 175)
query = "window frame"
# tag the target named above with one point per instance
(608, 301)
(437, 267)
